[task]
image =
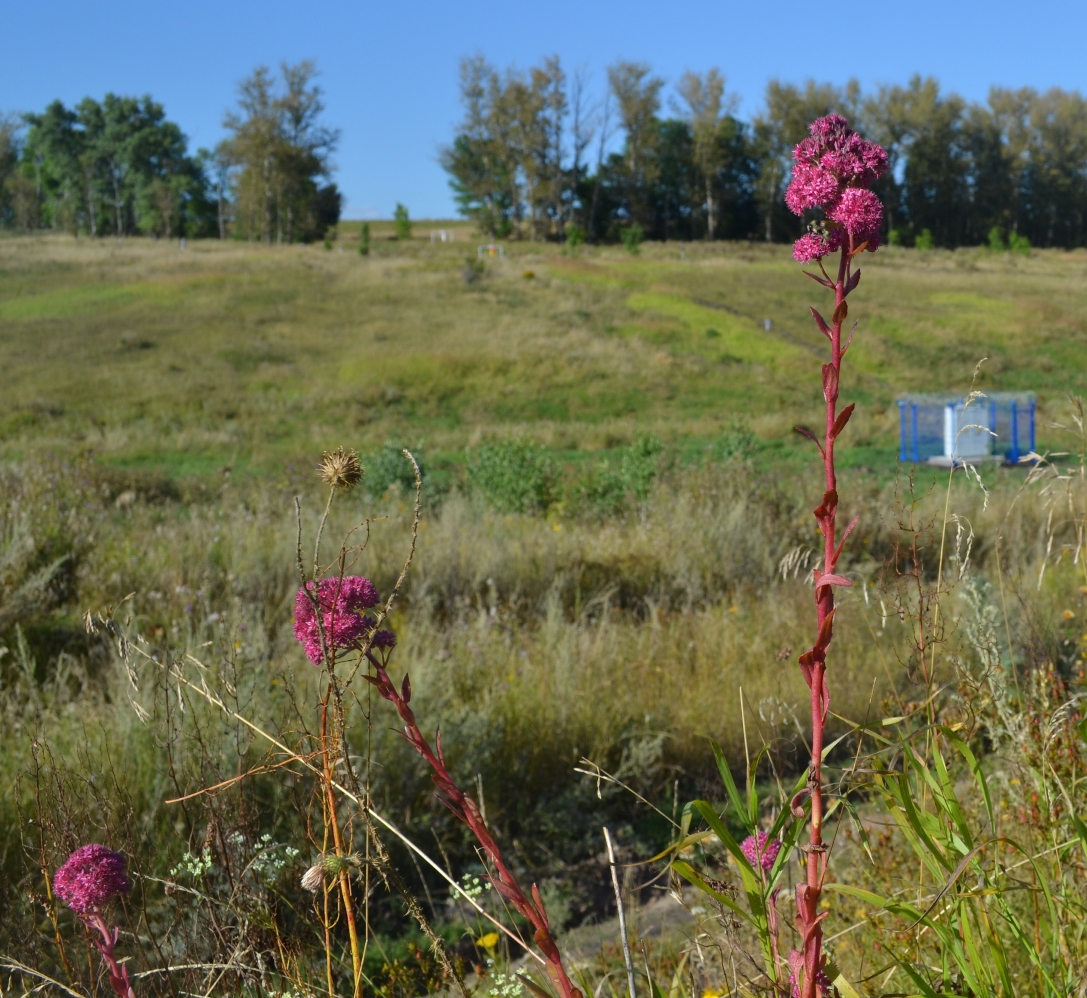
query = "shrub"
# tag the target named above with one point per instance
(575, 236)
(364, 239)
(736, 442)
(996, 240)
(387, 468)
(923, 240)
(1019, 244)
(402, 222)
(894, 237)
(609, 487)
(640, 464)
(632, 237)
(514, 476)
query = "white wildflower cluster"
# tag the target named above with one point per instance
(505, 986)
(193, 866)
(269, 857)
(472, 887)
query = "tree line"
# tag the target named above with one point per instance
(535, 157)
(119, 167)
(538, 156)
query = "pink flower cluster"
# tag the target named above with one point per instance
(761, 850)
(90, 877)
(834, 169)
(342, 602)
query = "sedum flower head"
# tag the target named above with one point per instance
(761, 850)
(340, 468)
(810, 246)
(834, 167)
(342, 601)
(859, 211)
(90, 877)
(812, 186)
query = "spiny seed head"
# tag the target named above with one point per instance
(340, 468)
(328, 866)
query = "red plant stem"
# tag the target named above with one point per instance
(467, 810)
(118, 972)
(808, 894)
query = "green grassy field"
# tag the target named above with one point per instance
(162, 408)
(249, 356)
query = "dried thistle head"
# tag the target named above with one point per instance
(329, 866)
(340, 468)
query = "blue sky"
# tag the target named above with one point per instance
(390, 69)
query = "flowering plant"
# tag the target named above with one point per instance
(330, 617)
(832, 176)
(834, 170)
(90, 878)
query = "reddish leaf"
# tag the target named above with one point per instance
(819, 280)
(831, 580)
(820, 322)
(405, 689)
(507, 892)
(446, 802)
(807, 660)
(826, 632)
(853, 281)
(849, 342)
(841, 544)
(860, 249)
(843, 418)
(828, 506)
(840, 312)
(438, 744)
(830, 382)
(539, 904)
(805, 432)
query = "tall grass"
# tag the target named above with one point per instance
(647, 603)
(536, 643)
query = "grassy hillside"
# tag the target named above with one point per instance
(249, 356)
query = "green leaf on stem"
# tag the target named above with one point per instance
(844, 988)
(733, 791)
(532, 986)
(851, 810)
(718, 826)
(684, 843)
(688, 873)
(979, 777)
(752, 791)
(788, 846)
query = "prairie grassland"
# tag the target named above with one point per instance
(162, 408)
